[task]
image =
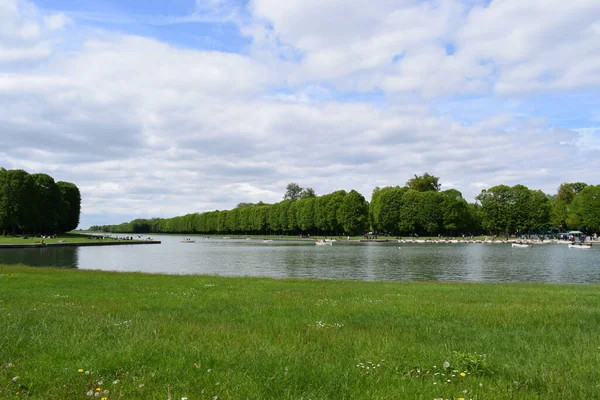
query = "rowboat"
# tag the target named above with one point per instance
(580, 246)
(521, 245)
(268, 241)
(188, 241)
(323, 243)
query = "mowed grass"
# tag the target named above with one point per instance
(64, 238)
(69, 334)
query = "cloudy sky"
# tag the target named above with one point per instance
(158, 109)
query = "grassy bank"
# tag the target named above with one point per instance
(65, 334)
(64, 238)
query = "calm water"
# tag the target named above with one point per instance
(365, 261)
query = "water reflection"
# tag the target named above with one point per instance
(368, 261)
(62, 257)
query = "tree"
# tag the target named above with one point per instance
(495, 208)
(70, 207)
(308, 193)
(424, 183)
(16, 200)
(561, 213)
(48, 198)
(455, 211)
(385, 207)
(587, 208)
(292, 191)
(354, 213)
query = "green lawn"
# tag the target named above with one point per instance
(141, 336)
(66, 237)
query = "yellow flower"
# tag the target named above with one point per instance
(460, 398)
(105, 398)
(98, 389)
(80, 370)
(463, 374)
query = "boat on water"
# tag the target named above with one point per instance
(323, 243)
(522, 245)
(580, 246)
(188, 241)
(268, 241)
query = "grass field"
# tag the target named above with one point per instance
(69, 334)
(66, 237)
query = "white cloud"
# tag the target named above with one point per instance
(24, 32)
(508, 46)
(56, 21)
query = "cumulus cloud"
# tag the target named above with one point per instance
(25, 34)
(439, 47)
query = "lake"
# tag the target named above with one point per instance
(357, 261)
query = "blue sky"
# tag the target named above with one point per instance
(164, 108)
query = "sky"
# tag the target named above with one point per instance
(159, 109)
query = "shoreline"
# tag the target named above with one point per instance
(75, 244)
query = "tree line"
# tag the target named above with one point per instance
(420, 206)
(36, 204)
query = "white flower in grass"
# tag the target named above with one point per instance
(446, 364)
(184, 398)
(116, 382)
(90, 393)
(15, 379)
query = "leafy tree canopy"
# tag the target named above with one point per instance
(424, 183)
(292, 191)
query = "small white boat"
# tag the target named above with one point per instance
(188, 241)
(226, 237)
(522, 245)
(580, 246)
(268, 241)
(323, 243)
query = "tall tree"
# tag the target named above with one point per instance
(424, 183)
(49, 199)
(587, 208)
(70, 207)
(17, 200)
(308, 193)
(455, 211)
(354, 213)
(495, 215)
(292, 191)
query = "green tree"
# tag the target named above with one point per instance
(48, 198)
(354, 213)
(305, 213)
(292, 191)
(17, 201)
(495, 215)
(455, 211)
(587, 208)
(70, 207)
(424, 183)
(388, 210)
(308, 193)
